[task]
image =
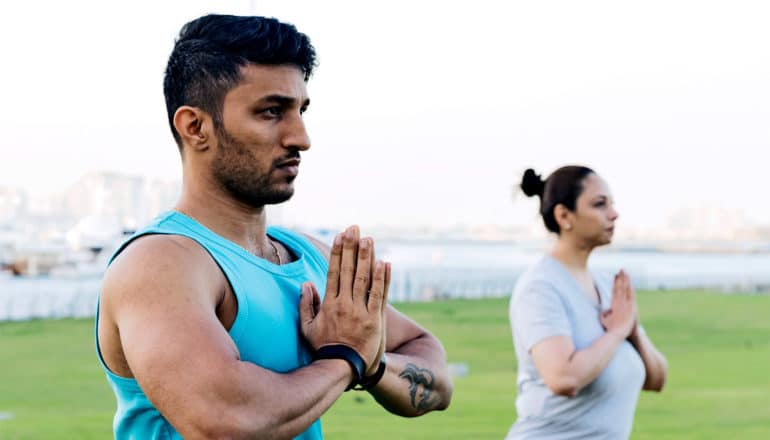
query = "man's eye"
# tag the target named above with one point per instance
(272, 111)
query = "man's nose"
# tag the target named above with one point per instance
(295, 134)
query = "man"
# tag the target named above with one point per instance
(210, 324)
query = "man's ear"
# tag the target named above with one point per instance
(194, 126)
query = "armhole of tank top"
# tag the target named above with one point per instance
(167, 434)
(238, 300)
(302, 242)
(109, 371)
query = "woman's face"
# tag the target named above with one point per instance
(595, 214)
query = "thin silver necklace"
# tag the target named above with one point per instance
(272, 245)
(275, 251)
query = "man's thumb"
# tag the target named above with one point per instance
(306, 308)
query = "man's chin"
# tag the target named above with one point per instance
(279, 200)
(278, 196)
(258, 199)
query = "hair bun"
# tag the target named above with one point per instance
(532, 184)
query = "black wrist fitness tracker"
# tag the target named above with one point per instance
(340, 351)
(369, 382)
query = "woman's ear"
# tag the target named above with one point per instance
(564, 217)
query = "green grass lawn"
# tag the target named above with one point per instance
(718, 348)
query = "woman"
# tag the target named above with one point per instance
(583, 355)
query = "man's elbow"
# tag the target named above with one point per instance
(215, 425)
(219, 428)
(436, 398)
(444, 396)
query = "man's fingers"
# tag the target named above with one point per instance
(373, 259)
(348, 262)
(377, 292)
(306, 306)
(316, 300)
(386, 290)
(363, 277)
(333, 275)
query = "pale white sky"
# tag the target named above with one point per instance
(423, 112)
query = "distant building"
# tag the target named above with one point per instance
(130, 201)
(13, 204)
(106, 204)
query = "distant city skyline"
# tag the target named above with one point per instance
(99, 206)
(439, 106)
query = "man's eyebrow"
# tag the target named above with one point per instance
(284, 100)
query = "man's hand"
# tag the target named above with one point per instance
(622, 317)
(410, 348)
(383, 340)
(353, 308)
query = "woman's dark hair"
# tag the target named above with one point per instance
(563, 186)
(210, 50)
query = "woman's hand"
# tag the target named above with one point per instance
(622, 317)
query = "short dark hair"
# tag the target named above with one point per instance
(210, 50)
(563, 186)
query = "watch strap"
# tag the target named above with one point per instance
(341, 351)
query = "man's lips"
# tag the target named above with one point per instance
(290, 166)
(293, 162)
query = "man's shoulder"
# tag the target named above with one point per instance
(158, 249)
(159, 262)
(322, 247)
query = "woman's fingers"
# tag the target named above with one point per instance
(617, 286)
(629, 287)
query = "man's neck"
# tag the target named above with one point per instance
(240, 223)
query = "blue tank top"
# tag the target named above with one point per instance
(266, 327)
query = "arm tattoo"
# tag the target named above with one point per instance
(416, 377)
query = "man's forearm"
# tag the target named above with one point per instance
(416, 380)
(282, 411)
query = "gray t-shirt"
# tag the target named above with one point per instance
(548, 301)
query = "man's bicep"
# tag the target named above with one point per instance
(172, 340)
(174, 351)
(178, 334)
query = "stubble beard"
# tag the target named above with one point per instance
(234, 169)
